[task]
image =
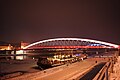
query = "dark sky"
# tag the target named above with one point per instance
(33, 20)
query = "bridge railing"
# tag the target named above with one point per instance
(104, 73)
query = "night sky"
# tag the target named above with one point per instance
(34, 20)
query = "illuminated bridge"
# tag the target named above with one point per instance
(70, 43)
(99, 57)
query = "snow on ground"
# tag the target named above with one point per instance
(116, 70)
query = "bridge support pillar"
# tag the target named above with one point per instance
(14, 53)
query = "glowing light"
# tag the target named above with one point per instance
(22, 47)
(89, 40)
(19, 57)
(8, 48)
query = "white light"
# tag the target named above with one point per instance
(19, 57)
(22, 47)
(89, 40)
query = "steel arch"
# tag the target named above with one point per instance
(81, 39)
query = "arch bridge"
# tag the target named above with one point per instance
(57, 43)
